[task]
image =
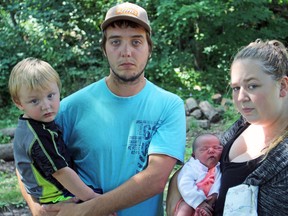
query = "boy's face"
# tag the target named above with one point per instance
(38, 104)
(208, 150)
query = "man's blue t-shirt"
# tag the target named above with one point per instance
(111, 137)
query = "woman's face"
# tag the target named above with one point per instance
(255, 94)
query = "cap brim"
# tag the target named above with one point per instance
(107, 22)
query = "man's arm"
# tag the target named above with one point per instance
(72, 182)
(140, 187)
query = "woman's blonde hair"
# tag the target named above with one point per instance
(272, 55)
(32, 73)
(276, 141)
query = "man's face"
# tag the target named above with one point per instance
(127, 51)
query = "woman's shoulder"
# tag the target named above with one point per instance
(273, 166)
(233, 130)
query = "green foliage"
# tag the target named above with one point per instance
(229, 117)
(196, 38)
(4, 139)
(188, 153)
(9, 116)
(204, 35)
(61, 33)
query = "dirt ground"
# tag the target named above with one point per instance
(16, 212)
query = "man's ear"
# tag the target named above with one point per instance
(284, 86)
(104, 51)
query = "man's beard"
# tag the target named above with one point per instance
(131, 79)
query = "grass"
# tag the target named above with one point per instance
(9, 191)
(10, 194)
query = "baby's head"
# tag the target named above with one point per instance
(207, 149)
(35, 88)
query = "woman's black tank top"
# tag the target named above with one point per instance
(232, 173)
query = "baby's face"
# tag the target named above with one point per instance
(208, 150)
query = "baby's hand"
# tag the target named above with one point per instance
(212, 199)
(202, 212)
(204, 209)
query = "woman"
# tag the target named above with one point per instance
(256, 146)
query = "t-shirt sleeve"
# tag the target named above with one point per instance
(170, 137)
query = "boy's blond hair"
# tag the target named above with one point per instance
(32, 73)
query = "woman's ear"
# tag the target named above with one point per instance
(284, 86)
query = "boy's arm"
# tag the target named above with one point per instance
(72, 182)
(34, 206)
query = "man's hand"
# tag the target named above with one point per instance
(59, 208)
(39, 211)
(65, 209)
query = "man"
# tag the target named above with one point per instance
(124, 133)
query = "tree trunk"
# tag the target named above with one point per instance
(6, 152)
(209, 111)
